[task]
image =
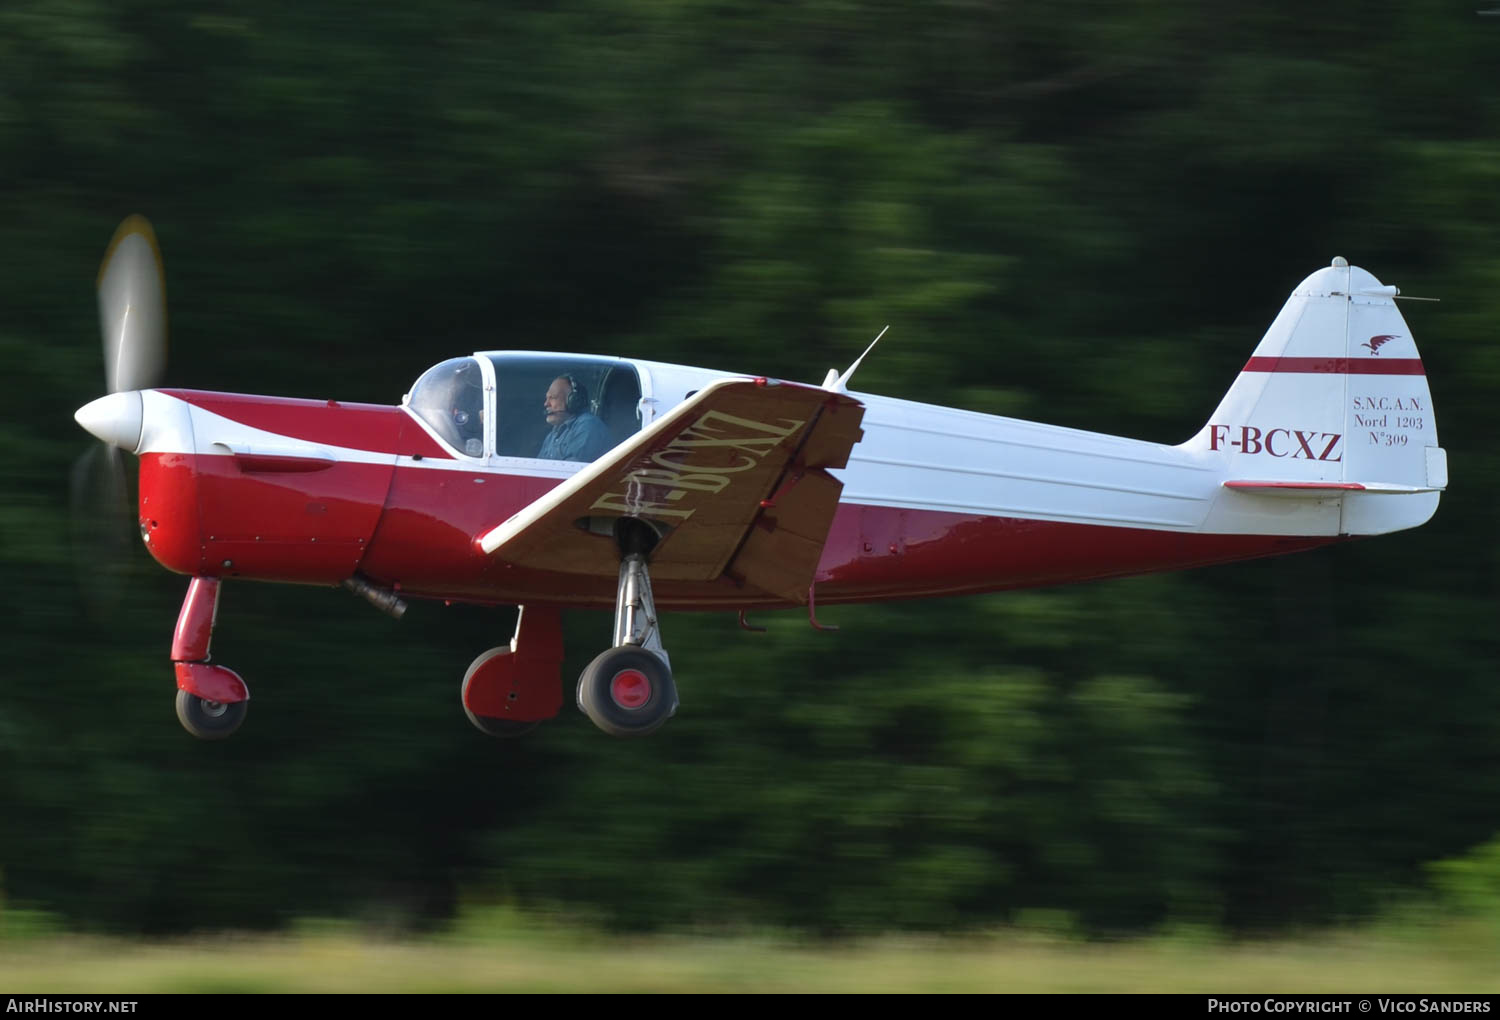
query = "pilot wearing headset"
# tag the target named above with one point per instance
(577, 434)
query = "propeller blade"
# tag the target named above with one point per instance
(104, 527)
(133, 325)
(132, 308)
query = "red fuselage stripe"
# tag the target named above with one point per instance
(1338, 366)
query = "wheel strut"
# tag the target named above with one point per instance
(627, 690)
(635, 609)
(211, 700)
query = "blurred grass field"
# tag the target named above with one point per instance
(504, 953)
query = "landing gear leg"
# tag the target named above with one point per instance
(211, 700)
(628, 690)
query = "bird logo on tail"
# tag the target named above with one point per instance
(1377, 342)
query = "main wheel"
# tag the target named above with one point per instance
(627, 692)
(489, 725)
(209, 720)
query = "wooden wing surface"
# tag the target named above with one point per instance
(736, 479)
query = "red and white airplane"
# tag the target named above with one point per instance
(724, 491)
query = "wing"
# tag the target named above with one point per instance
(735, 479)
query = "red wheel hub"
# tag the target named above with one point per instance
(630, 688)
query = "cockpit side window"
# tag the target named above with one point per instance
(450, 398)
(605, 410)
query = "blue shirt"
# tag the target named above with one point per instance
(582, 437)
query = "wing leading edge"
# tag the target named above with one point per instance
(735, 479)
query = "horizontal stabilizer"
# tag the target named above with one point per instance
(1320, 490)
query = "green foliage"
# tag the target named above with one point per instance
(19, 924)
(1471, 883)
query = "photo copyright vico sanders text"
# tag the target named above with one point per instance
(1414, 1004)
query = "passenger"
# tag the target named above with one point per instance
(577, 434)
(468, 409)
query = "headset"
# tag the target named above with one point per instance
(578, 395)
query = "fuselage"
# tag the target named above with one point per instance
(936, 501)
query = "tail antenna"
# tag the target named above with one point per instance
(839, 383)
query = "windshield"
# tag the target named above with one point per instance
(450, 398)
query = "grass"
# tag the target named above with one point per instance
(520, 955)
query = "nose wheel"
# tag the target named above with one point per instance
(209, 720)
(627, 690)
(211, 700)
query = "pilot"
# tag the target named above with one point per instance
(577, 434)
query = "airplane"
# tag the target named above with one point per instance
(726, 491)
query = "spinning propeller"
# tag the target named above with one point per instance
(133, 324)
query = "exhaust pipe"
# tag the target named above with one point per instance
(383, 599)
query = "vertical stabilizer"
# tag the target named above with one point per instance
(1332, 409)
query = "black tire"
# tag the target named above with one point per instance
(209, 720)
(627, 692)
(503, 728)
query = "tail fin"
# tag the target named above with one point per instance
(1333, 409)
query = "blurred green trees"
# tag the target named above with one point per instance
(1077, 212)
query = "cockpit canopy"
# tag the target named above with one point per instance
(450, 398)
(492, 403)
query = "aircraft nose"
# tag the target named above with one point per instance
(116, 419)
